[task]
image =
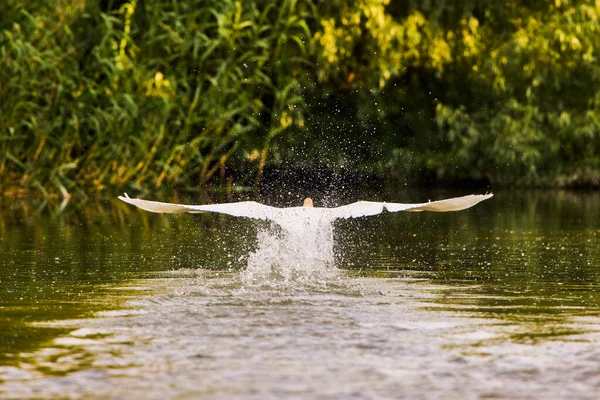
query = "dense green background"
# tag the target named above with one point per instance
(104, 95)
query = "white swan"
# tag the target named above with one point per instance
(252, 209)
(305, 241)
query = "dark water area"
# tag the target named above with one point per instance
(502, 300)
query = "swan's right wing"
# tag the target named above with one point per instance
(446, 205)
(366, 208)
(358, 209)
(250, 209)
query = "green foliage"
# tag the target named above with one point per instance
(503, 92)
(112, 95)
(98, 94)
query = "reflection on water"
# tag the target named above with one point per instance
(498, 301)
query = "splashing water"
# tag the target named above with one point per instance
(298, 246)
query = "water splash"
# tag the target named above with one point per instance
(297, 247)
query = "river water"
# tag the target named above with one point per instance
(101, 300)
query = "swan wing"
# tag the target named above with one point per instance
(452, 204)
(250, 209)
(358, 209)
(366, 208)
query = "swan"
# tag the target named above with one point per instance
(253, 209)
(305, 239)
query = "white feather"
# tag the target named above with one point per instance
(252, 209)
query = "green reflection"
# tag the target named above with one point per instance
(528, 258)
(58, 266)
(520, 257)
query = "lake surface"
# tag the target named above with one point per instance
(101, 300)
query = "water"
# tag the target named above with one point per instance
(501, 301)
(296, 244)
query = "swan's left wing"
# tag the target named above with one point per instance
(250, 209)
(366, 208)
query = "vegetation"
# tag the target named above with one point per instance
(109, 94)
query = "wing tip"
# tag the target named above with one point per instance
(125, 198)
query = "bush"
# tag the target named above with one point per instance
(113, 94)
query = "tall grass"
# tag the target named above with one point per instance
(147, 94)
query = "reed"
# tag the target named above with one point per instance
(147, 95)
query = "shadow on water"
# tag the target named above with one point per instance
(166, 297)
